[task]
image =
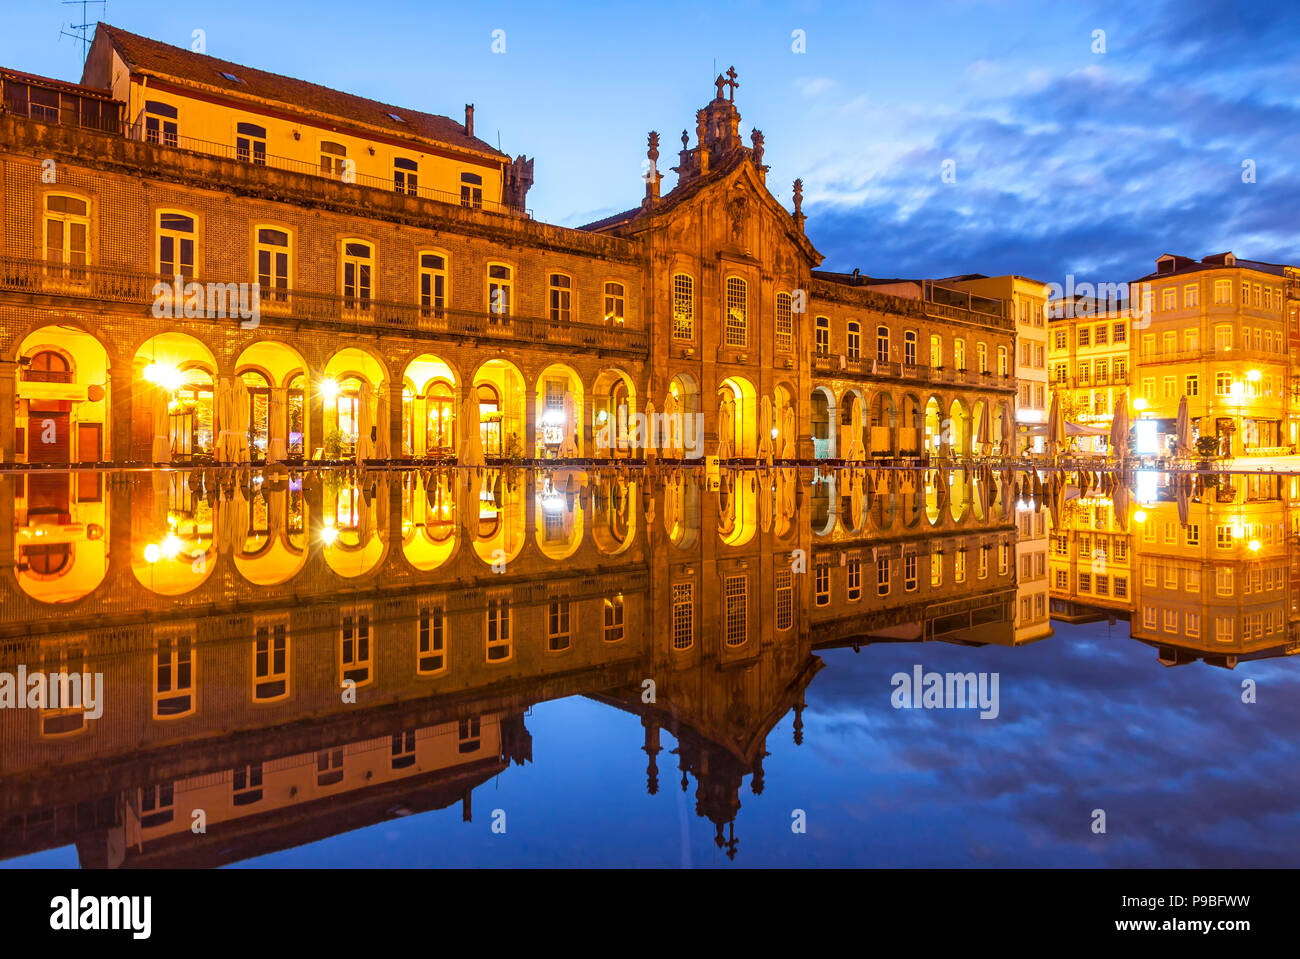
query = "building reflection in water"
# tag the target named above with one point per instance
(303, 654)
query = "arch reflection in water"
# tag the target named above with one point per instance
(225, 620)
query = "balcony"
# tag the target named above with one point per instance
(98, 283)
(255, 157)
(867, 367)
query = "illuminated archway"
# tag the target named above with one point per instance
(558, 518)
(173, 536)
(62, 393)
(613, 405)
(174, 414)
(737, 507)
(430, 403)
(60, 535)
(429, 520)
(501, 400)
(560, 422)
(934, 427)
(882, 423)
(349, 533)
(276, 377)
(349, 388)
(744, 419)
(274, 548)
(495, 513)
(824, 424)
(959, 429)
(615, 504)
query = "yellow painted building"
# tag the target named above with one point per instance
(1090, 363)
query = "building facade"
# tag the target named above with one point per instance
(406, 299)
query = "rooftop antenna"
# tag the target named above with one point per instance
(80, 31)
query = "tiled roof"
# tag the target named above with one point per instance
(1193, 266)
(151, 56)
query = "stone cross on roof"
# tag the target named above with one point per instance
(731, 82)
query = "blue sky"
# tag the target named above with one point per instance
(1066, 160)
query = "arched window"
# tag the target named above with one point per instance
(489, 408)
(560, 288)
(500, 290)
(936, 351)
(358, 266)
(982, 356)
(296, 410)
(784, 323)
(259, 412)
(882, 344)
(433, 284)
(48, 367)
(1002, 361)
(439, 401)
(683, 306)
(854, 340)
(959, 354)
(250, 143)
(909, 347)
(737, 331)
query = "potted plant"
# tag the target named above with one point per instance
(334, 444)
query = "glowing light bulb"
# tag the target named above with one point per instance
(152, 553)
(1140, 516)
(329, 389)
(328, 535)
(1253, 545)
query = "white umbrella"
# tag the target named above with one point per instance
(1008, 431)
(1055, 426)
(765, 430)
(365, 447)
(162, 446)
(1184, 438)
(225, 410)
(985, 427)
(471, 436)
(568, 447)
(277, 426)
(726, 428)
(383, 424)
(243, 416)
(1119, 428)
(788, 432)
(855, 449)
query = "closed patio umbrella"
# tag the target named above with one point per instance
(277, 450)
(788, 436)
(1183, 493)
(985, 428)
(1184, 429)
(1119, 428)
(1008, 431)
(766, 500)
(162, 445)
(1120, 502)
(568, 446)
(365, 447)
(726, 427)
(765, 430)
(243, 416)
(1055, 427)
(471, 436)
(383, 425)
(225, 415)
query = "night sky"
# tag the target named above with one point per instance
(1066, 160)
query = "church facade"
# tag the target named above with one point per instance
(204, 262)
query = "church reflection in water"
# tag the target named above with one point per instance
(299, 655)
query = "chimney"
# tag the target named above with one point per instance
(469, 119)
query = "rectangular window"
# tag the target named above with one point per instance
(406, 177)
(736, 609)
(498, 630)
(354, 648)
(431, 641)
(160, 123)
(173, 676)
(613, 618)
(683, 307)
(358, 261)
(561, 298)
(909, 572)
(1119, 333)
(823, 336)
(784, 323)
(402, 751)
(557, 625)
(271, 660)
(272, 264)
(1222, 291)
(246, 783)
(737, 313)
(1169, 298)
(683, 615)
(471, 190)
(501, 288)
(176, 234)
(822, 585)
(784, 598)
(614, 304)
(854, 572)
(1191, 296)
(433, 284)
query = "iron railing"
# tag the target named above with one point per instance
(26, 275)
(255, 157)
